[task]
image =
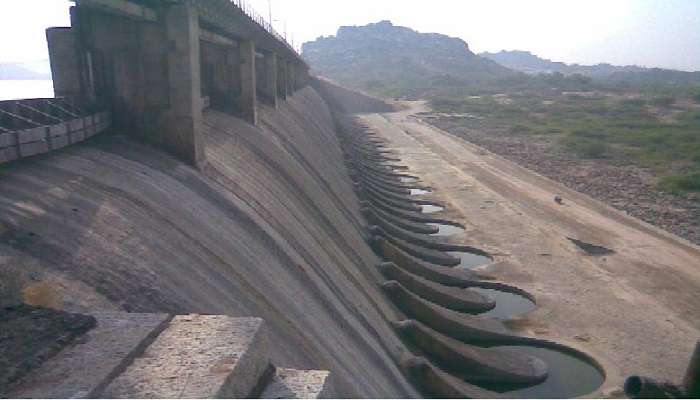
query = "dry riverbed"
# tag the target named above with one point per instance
(625, 187)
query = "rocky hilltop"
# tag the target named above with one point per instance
(386, 54)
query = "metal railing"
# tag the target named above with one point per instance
(248, 10)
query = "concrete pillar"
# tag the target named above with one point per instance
(184, 116)
(282, 79)
(247, 100)
(302, 73)
(290, 78)
(65, 60)
(270, 86)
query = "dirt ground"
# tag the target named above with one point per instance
(625, 187)
(635, 311)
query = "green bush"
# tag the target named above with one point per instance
(520, 129)
(663, 101)
(586, 148)
(689, 182)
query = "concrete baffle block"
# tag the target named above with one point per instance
(291, 75)
(83, 370)
(299, 384)
(199, 356)
(270, 84)
(282, 79)
(184, 118)
(246, 102)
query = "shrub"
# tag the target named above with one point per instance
(586, 148)
(663, 101)
(689, 182)
(520, 129)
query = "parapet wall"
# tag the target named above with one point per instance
(37, 126)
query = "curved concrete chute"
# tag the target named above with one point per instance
(472, 363)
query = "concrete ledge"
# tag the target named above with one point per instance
(8, 154)
(429, 255)
(438, 274)
(31, 135)
(408, 225)
(299, 384)
(476, 364)
(439, 384)
(84, 369)
(199, 356)
(32, 149)
(464, 327)
(457, 299)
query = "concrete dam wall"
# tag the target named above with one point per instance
(269, 227)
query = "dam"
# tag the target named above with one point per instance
(196, 215)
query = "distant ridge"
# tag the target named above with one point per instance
(25, 71)
(527, 62)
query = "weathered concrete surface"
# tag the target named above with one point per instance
(271, 229)
(635, 312)
(349, 101)
(198, 356)
(297, 384)
(84, 369)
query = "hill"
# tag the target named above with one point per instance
(382, 57)
(19, 71)
(527, 62)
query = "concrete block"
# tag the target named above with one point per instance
(77, 136)
(32, 149)
(8, 154)
(58, 129)
(59, 142)
(90, 131)
(85, 368)
(7, 139)
(76, 124)
(199, 356)
(299, 384)
(32, 135)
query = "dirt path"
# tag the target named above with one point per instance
(636, 311)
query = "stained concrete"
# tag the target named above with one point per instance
(270, 228)
(198, 356)
(84, 369)
(290, 383)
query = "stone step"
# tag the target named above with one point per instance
(299, 384)
(86, 367)
(200, 356)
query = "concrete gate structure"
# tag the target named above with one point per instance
(157, 64)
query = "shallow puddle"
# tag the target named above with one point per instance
(508, 305)
(446, 230)
(418, 192)
(569, 376)
(470, 260)
(429, 208)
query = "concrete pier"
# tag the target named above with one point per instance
(157, 65)
(247, 98)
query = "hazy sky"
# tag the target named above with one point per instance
(656, 33)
